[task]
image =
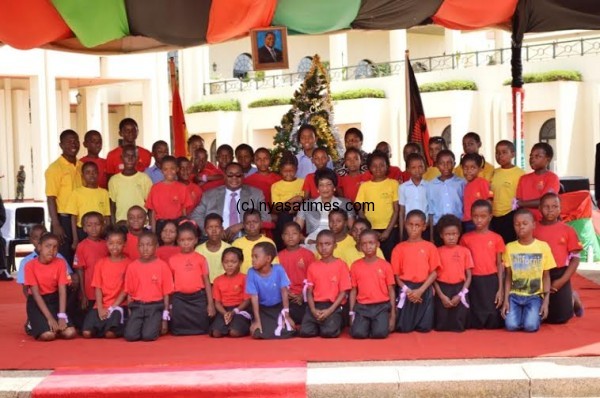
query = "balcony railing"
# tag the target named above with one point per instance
(530, 53)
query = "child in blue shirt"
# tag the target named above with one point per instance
(267, 284)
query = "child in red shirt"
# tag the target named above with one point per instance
(565, 246)
(264, 177)
(128, 131)
(88, 252)
(92, 141)
(453, 278)
(348, 184)
(184, 175)
(108, 316)
(148, 283)
(372, 298)
(136, 219)
(415, 263)
(231, 300)
(169, 198)
(296, 261)
(206, 174)
(532, 186)
(486, 292)
(411, 147)
(320, 158)
(475, 189)
(328, 283)
(47, 278)
(393, 172)
(192, 299)
(168, 241)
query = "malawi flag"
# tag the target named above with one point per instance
(417, 126)
(178, 117)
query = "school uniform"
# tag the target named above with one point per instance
(372, 309)
(350, 184)
(487, 171)
(168, 201)
(281, 192)
(350, 253)
(455, 261)
(195, 194)
(101, 164)
(215, 266)
(445, 197)
(246, 245)
(484, 248)
(296, 264)
(563, 241)
(146, 284)
(414, 197)
(48, 278)
(128, 191)
(533, 186)
(83, 200)
(211, 170)
(131, 246)
(109, 277)
(504, 187)
(263, 182)
(88, 253)
(230, 291)
(166, 252)
(475, 190)
(325, 281)
(189, 313)
(413, 262)
(114, 162)
(155, 173)
(268, 290)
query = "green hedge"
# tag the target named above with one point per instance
(551, 76)
(358, 93)
(270, 102)
(448, 86)
(212, 106)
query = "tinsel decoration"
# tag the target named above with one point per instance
(311, 104)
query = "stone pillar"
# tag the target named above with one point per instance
(338, 50)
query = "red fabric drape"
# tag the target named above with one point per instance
(26, 24)
(474, 14)
(575, 205)
(179, 127)
(229, 19)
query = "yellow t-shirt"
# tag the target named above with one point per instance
(62, 177)
(247, 246)
(352, 254)
(504, 186)
(347, 252)
(431, 173)
(214, 259)
(84, 200)
(128, 191)
(382, 195)
(282, 191)
(528, 263)
(487, 172)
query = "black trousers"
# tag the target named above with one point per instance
(450, 319)
(416, 316)
(114, 323)
(65, 247)
(560, 308)
(388, 245)
(504, 227)
(371, 321)
(483, 313)
(238, 323)
(330, 327)
(297, 312)
(145, 321)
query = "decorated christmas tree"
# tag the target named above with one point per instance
(311, 105)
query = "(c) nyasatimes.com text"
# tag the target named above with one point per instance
(306, 206)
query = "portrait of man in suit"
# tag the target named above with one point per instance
(269, 48)
(268, 52)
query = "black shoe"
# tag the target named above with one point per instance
(5, 276)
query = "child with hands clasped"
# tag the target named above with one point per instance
(476, 187)
(453, 279)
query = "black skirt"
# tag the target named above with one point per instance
(189, 314)
(413, 316)
(560, 308)
(269, 320)
(450, 319)
(482, 293)
(239, 323)
(114, 323)
(37, 320)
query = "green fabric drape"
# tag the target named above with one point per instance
(315, 16)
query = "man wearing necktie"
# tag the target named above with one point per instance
(268, 53)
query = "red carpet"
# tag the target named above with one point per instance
(579, 337)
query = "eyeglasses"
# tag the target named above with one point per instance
(235, 175)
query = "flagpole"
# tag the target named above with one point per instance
(406, 89)
(172, 74)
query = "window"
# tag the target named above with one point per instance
(364, 69)
(548, 135)
(304, 66)
(447, 135)
(242, 65)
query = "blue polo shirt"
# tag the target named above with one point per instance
(445, 197)
(306, 166)
(413, 197)
(267, 288)
(155, 174)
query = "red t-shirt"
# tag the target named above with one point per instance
(414, 261)
(47, 277)
(168, 201)
(114, 163)
(211, 171)
(394, 173)
(166, 252)
(477, 189)
(484, 248)
(562, 240)
(88, 253)
(230, 290)
(328, 280)
(372, 281)
(109, 276)
(455, 262)
(195, 194)
(148, 282)
(296, 263)
(101, 163)
(533, 186)
(131, 246)
(405, 176)
(188, 270)
(263, 182)
(310, 186)
(350, 184)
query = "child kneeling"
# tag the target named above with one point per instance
(230, 300)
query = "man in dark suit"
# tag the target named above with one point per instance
(231, 201)
(268, 53)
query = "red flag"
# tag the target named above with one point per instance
(417, 126)
(177, 117)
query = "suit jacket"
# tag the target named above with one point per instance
(264, 56)
(213, 201)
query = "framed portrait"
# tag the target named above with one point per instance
(269, 48)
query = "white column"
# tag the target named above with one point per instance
(23, 143)
(64, 106)
(7, 184)
(156, 105)
(194, 71)
(452, 41)
(93, 109)
(398, 46)
(338, 50)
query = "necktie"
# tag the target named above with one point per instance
(233, 212)
(273, 54)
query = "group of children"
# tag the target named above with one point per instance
(443, 247)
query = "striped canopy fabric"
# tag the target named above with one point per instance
(127, 26)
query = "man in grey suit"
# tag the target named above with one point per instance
(231, 201)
